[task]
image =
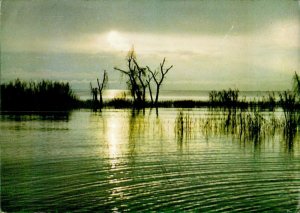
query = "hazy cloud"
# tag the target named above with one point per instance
(211, 43)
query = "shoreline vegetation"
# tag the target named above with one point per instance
(49, 95)
(45, 95)
(57, 96)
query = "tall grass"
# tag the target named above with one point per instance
(183, 126)
(37, 96)
(226, 98)
(290, 110)
(245, 125)
(297, 85)
(268, 102)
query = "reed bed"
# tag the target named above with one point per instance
(250, 125)
(37, 96)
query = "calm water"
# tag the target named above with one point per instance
(118, 160)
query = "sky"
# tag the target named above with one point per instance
(212, 44)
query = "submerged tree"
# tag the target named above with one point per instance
(140, 78)
(94, 93)
(101, 86)
(148, 80)
(137, 82)
(131, 83)
(141, 75)
(159, 77)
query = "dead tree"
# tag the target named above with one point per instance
(94, 92)
(141, 74)
(159, 77)
(134, 74)
(139, 79)
(148, 80)
(101, 86)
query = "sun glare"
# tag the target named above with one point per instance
(117, 41)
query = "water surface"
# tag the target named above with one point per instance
(121, 160)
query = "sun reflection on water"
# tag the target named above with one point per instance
(112, 136)
(115, 133)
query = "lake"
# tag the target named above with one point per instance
(123, 160)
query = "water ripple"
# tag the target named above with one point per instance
(136, 170)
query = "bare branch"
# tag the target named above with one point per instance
(99, 86)
(123, 71)
(167, 70)
(105, 78)
(136, 64)
(149, 78)
(154, 74)
(162, 64)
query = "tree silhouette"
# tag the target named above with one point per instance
(136, 78)
(148, 80)
(94, 93)
(159, 77)
(101, 86)
(140, 78)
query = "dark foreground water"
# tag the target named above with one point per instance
(119, 161)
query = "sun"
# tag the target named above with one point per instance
(117, 40)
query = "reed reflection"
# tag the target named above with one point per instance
(136, 134)
(245, 125)
(144, 127)
(31, 116)
(183, 129)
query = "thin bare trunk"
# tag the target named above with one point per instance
(157, 94)
(158, 81)
(150, 92)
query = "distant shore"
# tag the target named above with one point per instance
(173, 95)
(125, 103)
(57, 96)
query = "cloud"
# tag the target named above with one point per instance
(226, 42)
(64, 18)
